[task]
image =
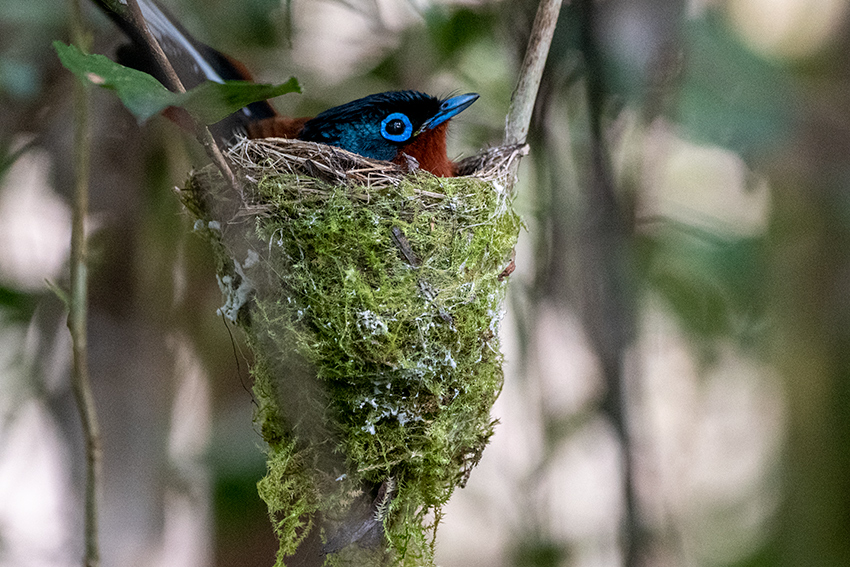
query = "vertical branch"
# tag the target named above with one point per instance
(607, 310)
(78, 300)
(525, 94)
(531, 72)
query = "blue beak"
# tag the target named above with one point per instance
(448, 109)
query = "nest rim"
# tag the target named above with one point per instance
(256, 158)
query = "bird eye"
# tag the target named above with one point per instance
(396, 127)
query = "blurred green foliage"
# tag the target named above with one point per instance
(730, 96)
(17, 306)
(453, 30)
(533, 552)
(712, 282)
(248, 24)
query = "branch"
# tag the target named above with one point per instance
(525, 94)
(78, 301)
(173, 82)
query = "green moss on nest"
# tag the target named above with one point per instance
(290, 494)
(375, 331)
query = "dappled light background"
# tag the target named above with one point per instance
(689, 336)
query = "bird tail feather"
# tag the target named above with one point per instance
(193, 61)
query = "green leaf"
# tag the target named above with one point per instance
(210, 102)
(144, 96)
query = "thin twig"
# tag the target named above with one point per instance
(525, 94)
(78, 303)
(173, 82)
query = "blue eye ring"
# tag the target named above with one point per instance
(403, 136)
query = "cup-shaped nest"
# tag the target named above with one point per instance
(371, 297)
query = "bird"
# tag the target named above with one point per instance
(396, 126)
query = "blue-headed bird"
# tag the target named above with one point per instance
(392, 126)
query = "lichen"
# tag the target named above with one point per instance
(374, 324)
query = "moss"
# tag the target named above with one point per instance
(375, 329)
(290, 495)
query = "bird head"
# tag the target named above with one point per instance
(379, 126)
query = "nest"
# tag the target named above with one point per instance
(371, 296)
(326, 164)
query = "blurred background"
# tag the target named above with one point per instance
(677, 332)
